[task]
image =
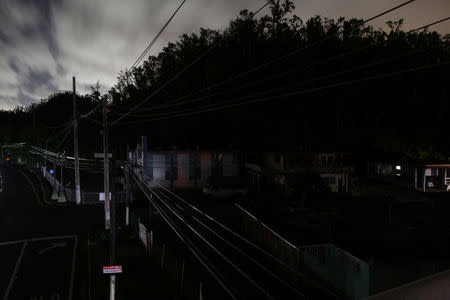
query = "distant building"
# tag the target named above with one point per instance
(432, 177)
(187, 168)
(386, 165)
(334, 168)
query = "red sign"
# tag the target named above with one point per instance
(112, 269)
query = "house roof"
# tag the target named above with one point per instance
(437, 165)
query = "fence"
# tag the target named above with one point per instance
(344, 272)
(339, 269)
(86, 197)
(271, 241)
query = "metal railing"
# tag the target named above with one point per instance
(268, 239)
(86, 197)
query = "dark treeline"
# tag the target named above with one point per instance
(327, 90)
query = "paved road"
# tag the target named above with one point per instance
(38, 269)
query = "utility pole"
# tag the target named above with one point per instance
(75, 145)
(34, 127)
(112, 240)
(54, 176)
(127, 192)
(63, 159)
(106, 165)
(108, 223)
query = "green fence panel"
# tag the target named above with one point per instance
(343, 271)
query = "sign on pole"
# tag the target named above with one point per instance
(112, 269)
(101, 196)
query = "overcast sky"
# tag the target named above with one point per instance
(43, 43)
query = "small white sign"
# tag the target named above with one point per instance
(112, 269)
(101, 196)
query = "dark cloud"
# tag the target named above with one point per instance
(30, 80)
(21, 99)
(4, 39)
(43, 23)
(37, 78)
(60, 70)
(24, 99)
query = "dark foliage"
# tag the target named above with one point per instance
(327, 89)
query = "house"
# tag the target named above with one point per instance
(334, 168)
(186, 168)
(386, 166)
(431, 177)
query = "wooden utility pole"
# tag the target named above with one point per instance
(54, 178)
(127, 192)
(112, 280)
(61, 185)
(106, 165)
(75, 145)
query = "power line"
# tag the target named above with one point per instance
(388, 11)
(189, 244)
(296, 84)
(94, 121)
(64, 138)
(262, 7)
(250, 258)
(92, 111)
(161, 194)
(252, 15)
(57, 126)
(178, 102)
(252, 69)
(162, 87)
(229, 230)
(283, 88)
(240, 75)
(261, 289)
(431, 24)
(169, 81)
(212, 108)
(147, 49)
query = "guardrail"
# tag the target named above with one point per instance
(345, 273)
(86, 197)
(267, 238)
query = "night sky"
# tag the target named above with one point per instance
(44, 43)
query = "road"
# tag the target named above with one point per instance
(37, 263)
